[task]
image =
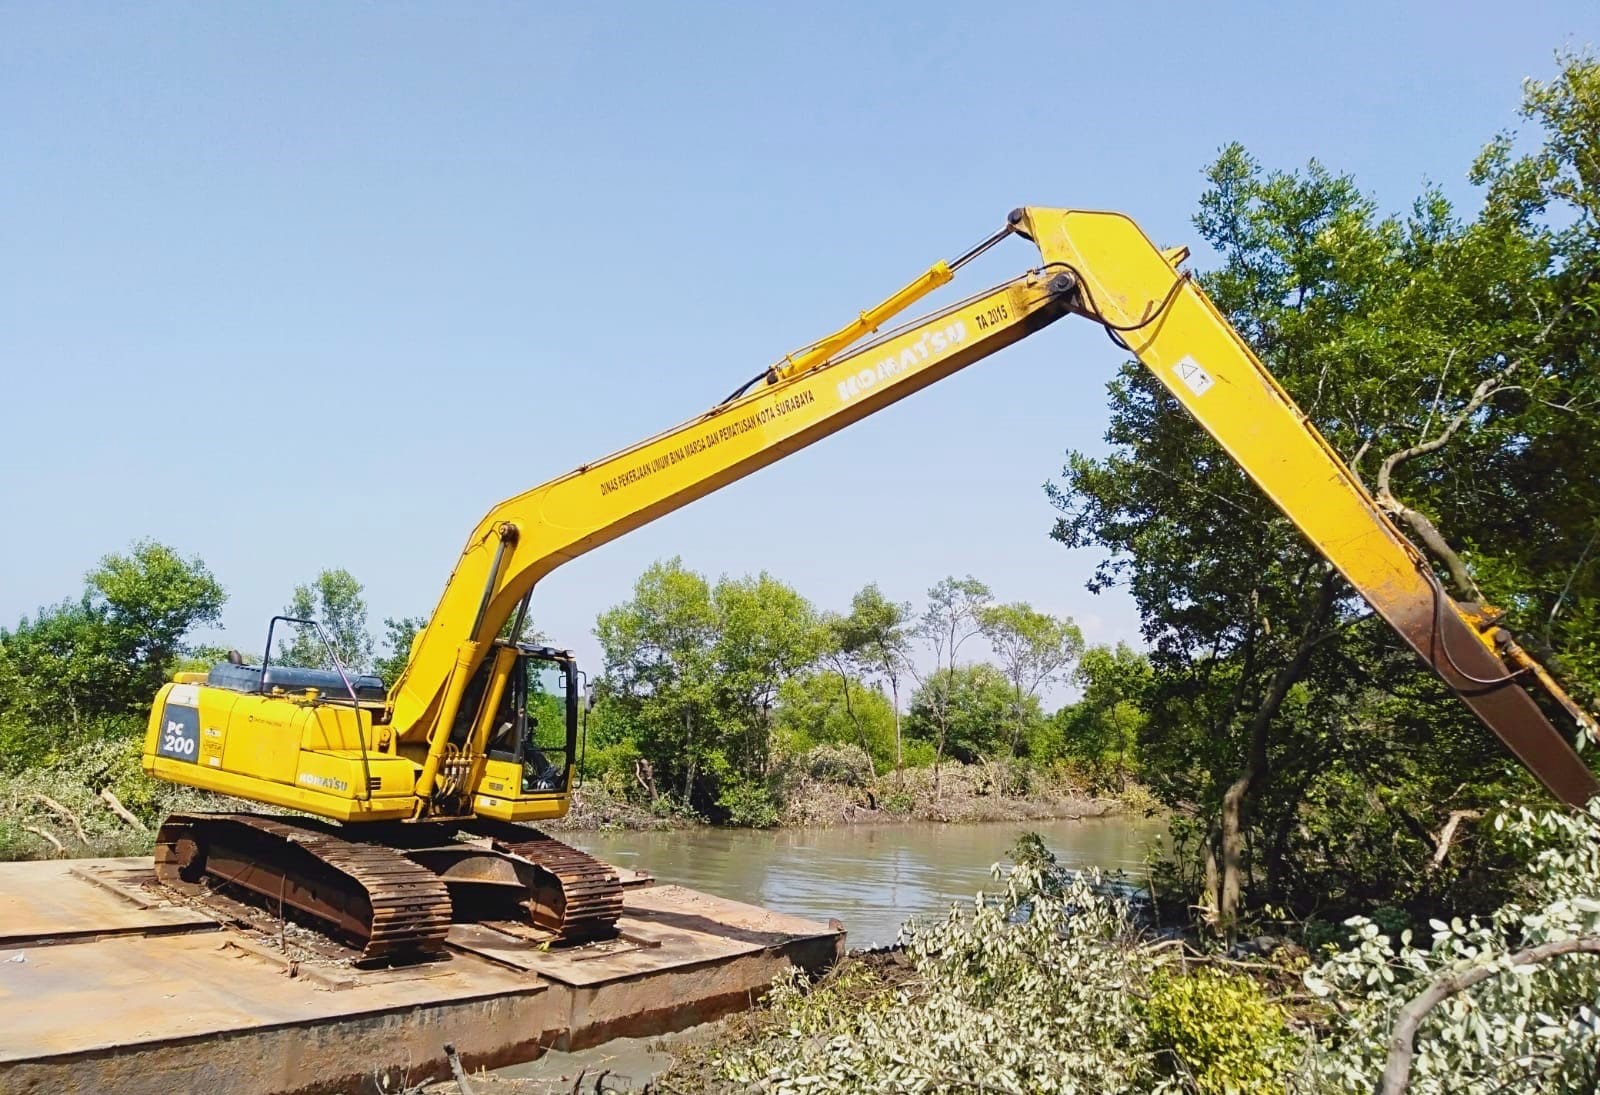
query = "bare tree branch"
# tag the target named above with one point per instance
(1567, 586)
(1402, 1042)
(1569, 406)
(1485, 390)
(457, 1070)
(114, 804)
(1448, 833)
(1438, 392)
(36, 831)
(1189, 484)
(66, 815)
(1419, 522)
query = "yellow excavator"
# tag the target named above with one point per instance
(426, 787)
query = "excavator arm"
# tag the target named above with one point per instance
(1095, 264)
(1178, 334)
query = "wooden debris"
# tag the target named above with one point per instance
(65, 814)
(455, 1068)
(61, 849)
(116, 807)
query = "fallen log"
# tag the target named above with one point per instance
(116, 807)
(65, 814)
(61, 849)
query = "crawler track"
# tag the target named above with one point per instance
(367, 894)
(580, 899)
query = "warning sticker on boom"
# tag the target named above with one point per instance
(1196, 379)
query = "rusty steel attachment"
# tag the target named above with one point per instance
(365, 894)
(1445, 633)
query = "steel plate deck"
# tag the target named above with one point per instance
(57, 900)
(193, 1009)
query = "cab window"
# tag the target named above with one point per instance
(531, 726)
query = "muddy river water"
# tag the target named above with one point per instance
(872, 877)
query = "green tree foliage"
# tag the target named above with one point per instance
(1100, 732)
(147, 602)
(766, 633)
(848, 648)
(876, 636)
(811, 710)
(657, 680)
(967, 713)
(1450, 361)
(74, 666)
(1493, 1003)
(952, 618)
(397, 637)
(1034, 649)
(692, 671)
(723, 695)
(1551, 195)
(334, 600)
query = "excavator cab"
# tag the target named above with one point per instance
(533, 737)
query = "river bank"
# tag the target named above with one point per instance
(96, 801)
(1047, 982)
(962, 794)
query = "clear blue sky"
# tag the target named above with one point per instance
(299, 286)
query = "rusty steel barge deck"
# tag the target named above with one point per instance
(107, 984)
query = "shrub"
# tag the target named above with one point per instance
(1524, 1027)
(847, 765)
(898, 801)
(72, 783)
(811, 711)
(1390, 920)
(1023, 991)
(669, 807)
(917, 754)
(748, 803)
(1030, 850)
(613, 765)
(1013, 778)
(1219, 1030)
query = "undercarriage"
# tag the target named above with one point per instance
(394, 890)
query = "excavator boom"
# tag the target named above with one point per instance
(526, 537)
